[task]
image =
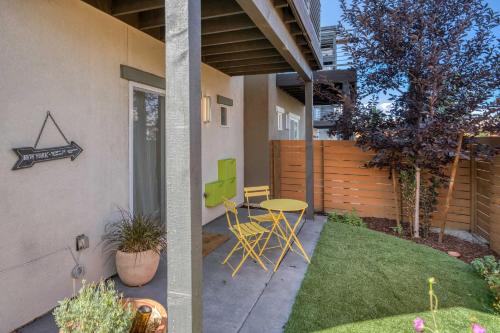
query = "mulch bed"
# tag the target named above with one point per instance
(469, 251)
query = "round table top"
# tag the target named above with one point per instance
(285, 205)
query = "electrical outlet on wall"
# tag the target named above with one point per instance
(82, 242)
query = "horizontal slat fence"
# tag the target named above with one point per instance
(343, 183)
(485, 198)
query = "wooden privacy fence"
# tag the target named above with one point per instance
(343, 183)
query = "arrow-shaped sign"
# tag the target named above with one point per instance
(29, 155)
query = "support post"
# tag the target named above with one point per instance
(309, 149)
(183, 165)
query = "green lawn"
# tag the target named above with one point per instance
(361, 280)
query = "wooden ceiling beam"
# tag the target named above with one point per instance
(248, 62)
(151, 19)
(158, 33)
(287, 15)
(219, 8)
(276, 31)
(232, 37)
(226, 24)
(125, 7)
(213, 59)
(280, 3)
(237, 47)
(259, 70)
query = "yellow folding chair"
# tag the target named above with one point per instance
(248, 236)
(255, 192)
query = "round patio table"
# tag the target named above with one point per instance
(281, 206)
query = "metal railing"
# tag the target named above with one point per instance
(335, 55)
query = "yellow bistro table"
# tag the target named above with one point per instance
(277, 208)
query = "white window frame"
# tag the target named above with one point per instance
(131, 87)
(280, 112)
(292, 117)
(228, 109)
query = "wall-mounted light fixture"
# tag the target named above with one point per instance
(206, 109)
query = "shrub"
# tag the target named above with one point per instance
(136, 233)
(486, 266)
(98, 308)
(351, 218)
(489, 268)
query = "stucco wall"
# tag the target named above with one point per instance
(290, 105)
(222, 142)
(65, 56)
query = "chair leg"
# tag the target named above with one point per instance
(249, 251)
(257, 257)
(231, 253)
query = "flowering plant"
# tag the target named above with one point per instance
(419, 324)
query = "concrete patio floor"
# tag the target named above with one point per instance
(253, 301)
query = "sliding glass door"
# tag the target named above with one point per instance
(147, 150)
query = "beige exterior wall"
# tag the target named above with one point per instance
(65, 56)
(290, 105)
(222, 142)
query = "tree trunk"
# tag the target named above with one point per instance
(396, 200)
(416, 218)
(453, 174)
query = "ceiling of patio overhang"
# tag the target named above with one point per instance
(293, 85)
(231, 42)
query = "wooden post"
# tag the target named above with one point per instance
(473, 189)
(396, 201)
(416, 218)
(454, 168)
(276, 160)
(309, 149)
(183, 165)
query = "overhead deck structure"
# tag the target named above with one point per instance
(237, 37)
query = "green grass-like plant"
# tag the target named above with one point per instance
(98, 308)
(364, 281)
(351, 218)
(135, 233)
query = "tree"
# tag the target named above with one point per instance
(439, 62)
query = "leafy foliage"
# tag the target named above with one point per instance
(136, 233)
(407, 180)
(439, 61)
(489, 269)
(486, 266)
(428, 202)
(351, 218)
(98, 308)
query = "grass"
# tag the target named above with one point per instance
(361, 280)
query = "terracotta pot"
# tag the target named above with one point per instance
(137, 269)
(137, 302)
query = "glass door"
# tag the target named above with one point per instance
(147, 151)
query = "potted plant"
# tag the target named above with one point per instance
(138, 240)
(98, 308)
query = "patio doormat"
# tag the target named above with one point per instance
(212, 241)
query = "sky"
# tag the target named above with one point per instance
(331, 14)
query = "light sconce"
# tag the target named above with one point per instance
(206, 109)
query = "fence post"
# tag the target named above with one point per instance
(322, 159)
(473, 189)
(276, 171)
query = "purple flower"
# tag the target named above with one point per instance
(419, 325)
(476, 328)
